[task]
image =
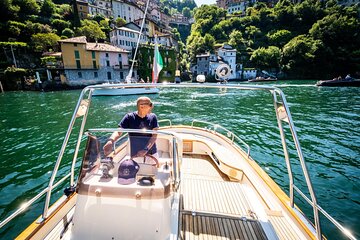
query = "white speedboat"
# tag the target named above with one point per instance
(110, 90)
(204, 185)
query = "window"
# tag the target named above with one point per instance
(108, 63)
(93, 54)
(94, 64)
(95, 74)
(79, 74)
(78, 64)
(109, 75)
(120, 65)
(121, 75)
(75, 44)
(77, 54)
(107, 54)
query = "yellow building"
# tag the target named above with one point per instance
(89, 63)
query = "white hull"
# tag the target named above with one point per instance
(124, 91)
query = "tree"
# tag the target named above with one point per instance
(209, 42)
(266, 58)
(60, 25)
(67, 32)
(9, 11)
(91, 30)
(120, 22)
(186, 12)
(27, 7)
(47, 8)
(341, 35)
(195, 45)
(300, 57)
(43, 42)
(279, 38)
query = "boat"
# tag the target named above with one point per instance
(262, 79)
(346, 82)
(110, 90)
(204, 184)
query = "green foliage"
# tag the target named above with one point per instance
(307, 34)
(44, 42)
(91, 30)
(13, 76)
(47, 8)
(13, 44)
(67, 32)
(15, 28)
(60, 25)
(266, 58)
(120, 22)
(26, 7)
(186, 12)
(299, 52)
(46, 60)
(209, 42)
(279, 38)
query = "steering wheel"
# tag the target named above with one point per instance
(156, 161)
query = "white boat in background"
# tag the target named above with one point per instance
(110, 90)
(205, 184)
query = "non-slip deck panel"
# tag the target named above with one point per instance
(203, 226)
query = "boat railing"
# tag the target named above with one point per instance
(165, 120)
(229, 133)
(283, 115)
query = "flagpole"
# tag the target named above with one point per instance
(128, 77)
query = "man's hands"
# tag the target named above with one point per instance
(108, 147)
(141, 153)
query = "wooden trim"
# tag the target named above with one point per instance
(34, 227)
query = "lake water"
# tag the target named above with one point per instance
(327, 120)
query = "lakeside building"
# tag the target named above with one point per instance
(83, 8)
(126, 10)
(236, 7)
(100, 7)
(89, 63)
(206, 64)
(126, 37)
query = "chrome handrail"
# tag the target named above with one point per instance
(25, 205)
(273, 90)
(165, 120)
(215, 126)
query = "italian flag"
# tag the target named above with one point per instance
(157, 63)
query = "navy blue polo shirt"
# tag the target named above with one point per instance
(139, 141)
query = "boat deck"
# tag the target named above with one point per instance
(204, 215)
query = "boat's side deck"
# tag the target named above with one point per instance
(212, 206)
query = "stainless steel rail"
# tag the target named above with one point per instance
(279, 104)
(230, 134)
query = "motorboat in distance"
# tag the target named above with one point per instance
(346, 82)
(262, 79)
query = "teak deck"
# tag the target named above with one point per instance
(212, 206)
